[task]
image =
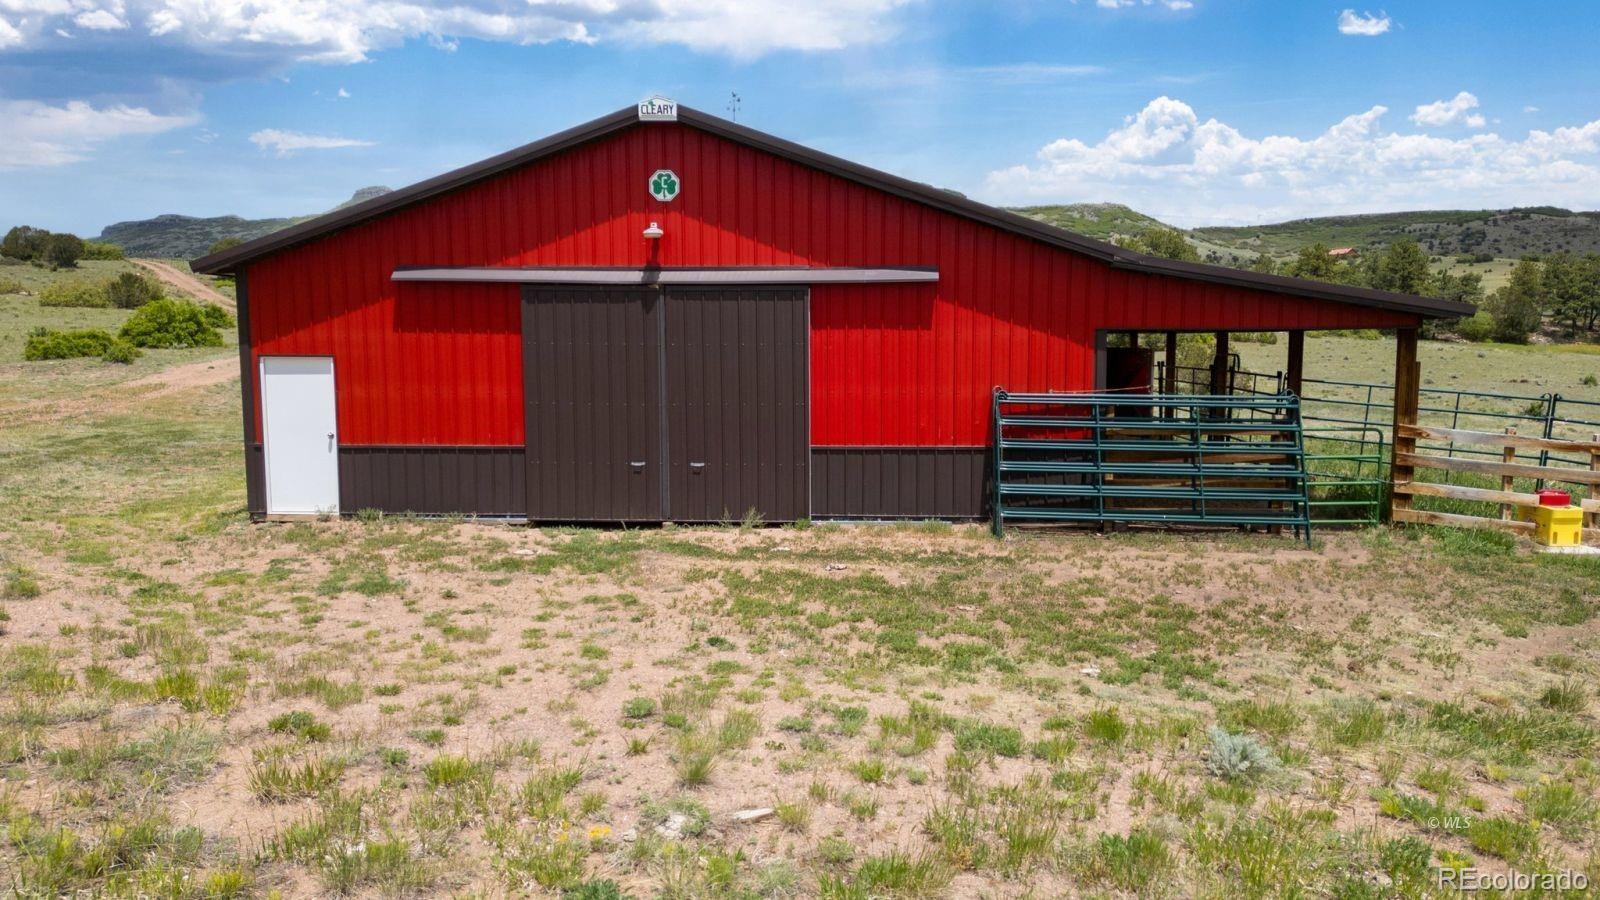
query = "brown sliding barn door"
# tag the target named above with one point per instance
(592, 395)
(738, 404)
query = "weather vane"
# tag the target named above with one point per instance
(733, 105)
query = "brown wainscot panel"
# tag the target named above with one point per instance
(899, 482)
(434, 481)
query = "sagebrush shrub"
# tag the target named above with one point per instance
(131, 290)
(44, 343)
(1238, 757)
(216, 316)
(120, 351)
(170, 323)
(75, 292)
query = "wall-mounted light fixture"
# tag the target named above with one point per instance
(654, 232)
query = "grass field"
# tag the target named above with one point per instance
(192, 705)
(1508, 369)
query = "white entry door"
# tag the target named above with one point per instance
(301, 435)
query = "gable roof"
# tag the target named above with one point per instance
(1117, 257)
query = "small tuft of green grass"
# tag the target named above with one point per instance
(639, 708)
(1106, 725)
(1133, 863)
(984, 737)
(870, 771)
(739, 727)
(301, 724)
(1568, 696)
(449, 771)
(278, 781)
(794, 816)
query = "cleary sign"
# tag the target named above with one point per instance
(658, 109)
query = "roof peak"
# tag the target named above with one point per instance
(635, 116)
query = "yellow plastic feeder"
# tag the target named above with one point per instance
(1558, 526)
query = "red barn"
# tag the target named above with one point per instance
(664, 316)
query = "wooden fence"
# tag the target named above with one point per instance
(1407, 460)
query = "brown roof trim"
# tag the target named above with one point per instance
(1300, 287)
(687, 275)
(1118, 257)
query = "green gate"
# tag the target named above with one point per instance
(1155, 458)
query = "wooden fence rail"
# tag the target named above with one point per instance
(1507, 469)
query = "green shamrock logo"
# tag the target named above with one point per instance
(664, 184)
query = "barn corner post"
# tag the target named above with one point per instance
(254, 462)
(1169, 373)
(1219, 365)
(1407, 384)
(1295, 373)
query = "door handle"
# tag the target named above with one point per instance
(637, 464)
(697, 466)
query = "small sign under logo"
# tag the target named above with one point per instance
(664, 185)
(658, 109)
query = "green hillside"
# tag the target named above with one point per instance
(1496, 233)
(186, 237)
(1102, 221)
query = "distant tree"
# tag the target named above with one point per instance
(1516, 307)
(1402, 268)
(131, 290)
(101, 250)
(1572, 289)
(1168, 243)
(1466, 288)
(24, 242)
(1264, 264)
(227, 243)
(1313, 262)
(62, 251)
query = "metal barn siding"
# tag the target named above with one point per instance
(736, 404)
(903, 365)
(594, 417)
(900, 374)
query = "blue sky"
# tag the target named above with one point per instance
(1197, 111)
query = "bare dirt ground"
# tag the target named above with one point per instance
(188, 376)
(185, 282)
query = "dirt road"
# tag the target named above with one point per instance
(121, 396)
(185, 282)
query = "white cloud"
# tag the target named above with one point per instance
(1530, 109)
(1363, 24)
(1455, 111)
(287, 142)
(343, 94)
(9, 35)
(1123, 4)
(99, 20)
(38, 134)
(1168, 162)
(347, 31)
